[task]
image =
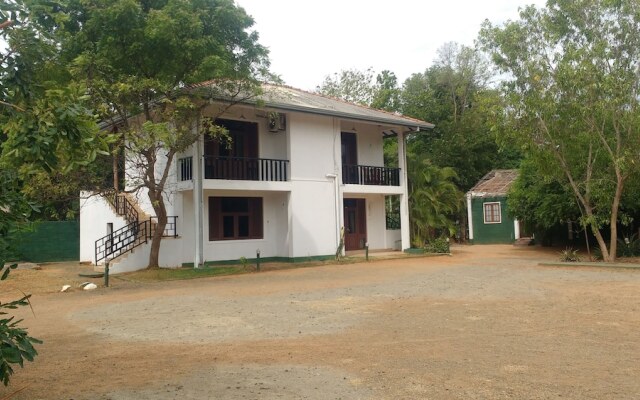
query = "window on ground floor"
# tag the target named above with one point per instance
(492, 213)
(235, 218)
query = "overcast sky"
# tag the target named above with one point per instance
(308, 40)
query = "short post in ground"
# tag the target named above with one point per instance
(258, 260)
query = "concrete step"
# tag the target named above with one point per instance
(524, 241)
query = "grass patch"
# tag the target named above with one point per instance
(183, 273)
(176, 274)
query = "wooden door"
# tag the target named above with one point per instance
(355, 224)
(237, 159)
(349, 148)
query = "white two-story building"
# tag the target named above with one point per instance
(301, 167)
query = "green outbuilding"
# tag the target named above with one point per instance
(489, 222)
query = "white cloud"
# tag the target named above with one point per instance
(309, 40)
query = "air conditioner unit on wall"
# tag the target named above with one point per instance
(276, 121)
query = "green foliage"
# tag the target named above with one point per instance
(438, 246)
(572, 99)
(629, 247)
(16, 345)
(379, 91)
(386, 95)
(45, 118)
(454, 95)
(350, 85)
(569, 255)
(539, 200)
(434, 201)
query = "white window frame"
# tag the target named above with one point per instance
(484, 212)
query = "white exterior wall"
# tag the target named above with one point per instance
(315, 153)
(376, 222)
(170, 256)
(314, 149)
(95, 214)
(370, 145)
(393, 239)
(313, 222)
(274, 242)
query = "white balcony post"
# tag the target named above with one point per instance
(405, 232)
(198, 204)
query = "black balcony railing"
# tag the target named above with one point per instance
(369, 175)
(185, 169)
(245, 169)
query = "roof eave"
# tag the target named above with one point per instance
(389, 121)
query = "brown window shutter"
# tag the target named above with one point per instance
(256, 217)
(215, 222)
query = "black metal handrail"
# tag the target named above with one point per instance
(245, 169)
(170, 230)
(121, 241)
(370, 175)
(124, 207)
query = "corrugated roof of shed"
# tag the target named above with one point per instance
(496, 183)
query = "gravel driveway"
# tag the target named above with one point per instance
(485, 323)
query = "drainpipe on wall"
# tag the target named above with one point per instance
(337, 206)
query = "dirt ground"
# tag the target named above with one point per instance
(485, 323)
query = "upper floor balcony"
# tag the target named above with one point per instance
(370, 175)
(236, 168)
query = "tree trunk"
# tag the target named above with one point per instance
(613, 247)
(115, 169)
(156, 239)
(157, 201)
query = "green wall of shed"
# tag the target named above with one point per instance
(50, 241)
(491, 233)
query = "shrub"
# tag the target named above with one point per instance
(597, 253)
(628, 247)
(439, 246)
(569, 255)
(15, 343)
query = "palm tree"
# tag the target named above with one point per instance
(434, 202)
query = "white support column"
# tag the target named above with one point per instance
(469, 216)
(198, 176)
(516, 228)
(405, 232)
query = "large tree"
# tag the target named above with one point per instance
(46, 127)
(352, 85)
(454, 94)
(571, 83)
(138, 58)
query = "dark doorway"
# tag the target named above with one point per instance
(349, 157)
(244, 140)
(355, 224)
(237, 159)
